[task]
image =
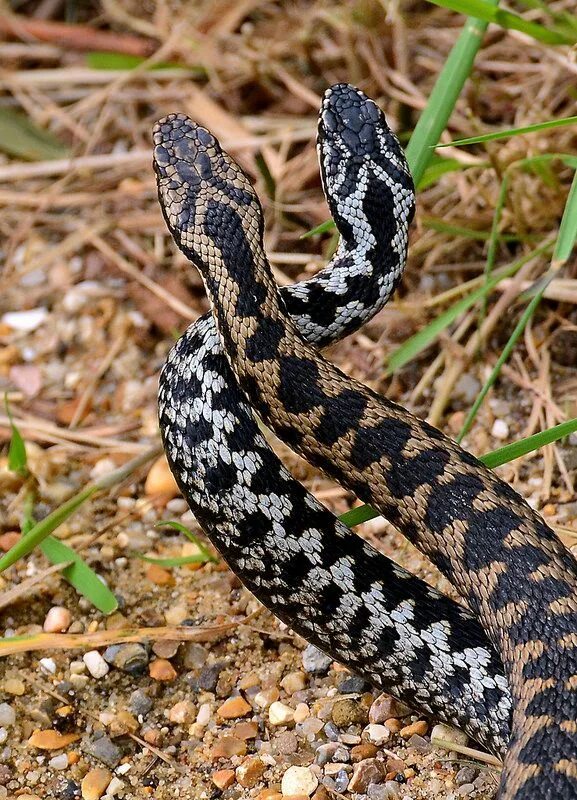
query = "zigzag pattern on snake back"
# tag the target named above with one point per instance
(517, 578)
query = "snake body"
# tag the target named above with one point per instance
(259, 349)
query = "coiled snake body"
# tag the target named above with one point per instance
(507, 673)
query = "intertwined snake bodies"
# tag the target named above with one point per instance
(311, 571)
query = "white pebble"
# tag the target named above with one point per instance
(25, 321)
(59, 761)
(95, 664)
(280, 714)
(48, 665)
(114, 787)
(377, 734)
(7, 715)
(3, 735)
(298, 780)
(77, 667)
(447, 733)
(57, 620)
(500, 429)
(203, 716)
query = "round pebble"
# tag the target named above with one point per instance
(57, 620)
(298, 780)
(95, 664)
(7, 715)
(315, 661)
(280, 714)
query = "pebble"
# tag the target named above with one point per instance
(466, 775)
(250, 772)
(103, 749)
(325, 753)
(160, 669)
(298, 781)
(385, 707)
(57, 620)
(353, 685)
(467, 388)
(48, 665)
(348, 711)
(362, 751)
(14, 686)
(59, 762)
(465, 789)
(182, 712)
(341, 781)
(140, 703)
(331, 732)
(160, 480)
(234, 707)
(377, 734)
(315, 661)
(280, 714)
(448, 734)
(159, 575)
(131, 657)
(228, 746)
(264, 698)
(94, 783)
(203, 716)
(383, 791)
(285, 743)
(7, 715)
(294, 682)
(365, 772)
(245, 730)
(420, 744)
(419, 728)
(95, 664)
(25, 321)
(114, 787)
(3, 735)
(52, 740)
(223, 778)
(302, 711)
(209, 676)
(500, 429)
(194, 655)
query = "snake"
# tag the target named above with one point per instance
(503, 667)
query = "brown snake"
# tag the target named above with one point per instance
(515, 575)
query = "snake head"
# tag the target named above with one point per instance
(194, 175)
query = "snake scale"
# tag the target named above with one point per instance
(505, 670)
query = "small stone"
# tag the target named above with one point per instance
(114, 787)
(285, 743)
(377, 734)
(325, 753)
(466, 775)
(341, 781)
(95, 664)
(103, 749)
(140, 703)
(352, 685)
(298, 781)
(57, 620)
(176, 615)
(160, 669)
(9, 539)
(448, 734)
(14, 686)
(294, 682)
(385, 707)
(280, 714)
(270, 793)
(25, 321)
(264, 698)
(394, 725)
(209, 676)
(250, 772)
(159, 575)
(204, 714)
(465, 789)
(227, 747)
(223, 778)
(365, 772)
(384, 791)
(234, 707)
(331, 731)
(47, 665)
(59, 762)
(165, 649)
(7, 715)
(418, 743)
(130, 657)
(94, 783)
(418, 728)
(302, 711)
(193, 655)
(315, 661)
(361, 751)
(182, 713)
(245, 730)
(500, 429)
(160, 480)
(347, 712)
(52, 740)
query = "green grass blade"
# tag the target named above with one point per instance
(483, 10)
(178, 526)
(177, 561)
(495, 458)
(447, 89)
(509, 132)
(80, 575)
(423, 338)
(17, 458)
(567, 229)
(20, 137)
